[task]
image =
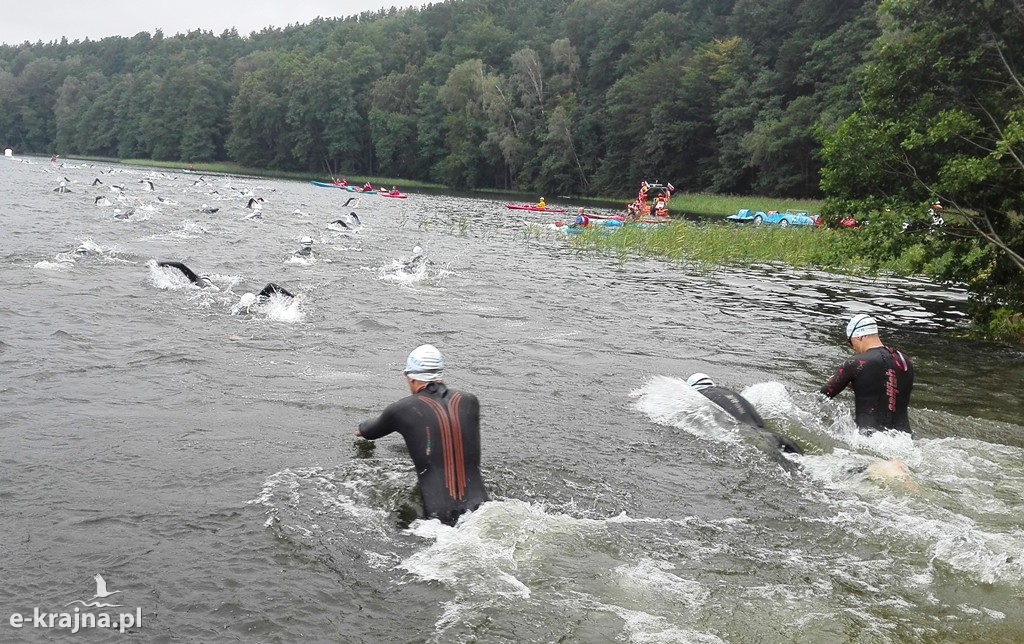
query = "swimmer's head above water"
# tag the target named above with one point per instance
(861, 325)
(700, 381)
(425, 364)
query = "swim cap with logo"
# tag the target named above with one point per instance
(861, 325)
(425, 364)
(700, 381)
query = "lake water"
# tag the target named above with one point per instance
(203, 461)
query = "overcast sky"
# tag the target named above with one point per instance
(79, 19)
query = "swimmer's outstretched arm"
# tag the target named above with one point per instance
(381, 426)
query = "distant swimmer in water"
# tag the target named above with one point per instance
(62, 187)
(187, 272)
(350, 200)
(208, 209)
(101, 201)
(881, 377)
(249, 300)
(147, 185)
(307, 248)
(273, 289)
(97, 182)
(417, 261)
(741, 409)
(352, 223)
(255, 203)
(441, 428)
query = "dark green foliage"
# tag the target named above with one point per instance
(564, 96)
(942, 117)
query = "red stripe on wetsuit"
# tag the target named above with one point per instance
(453, 461)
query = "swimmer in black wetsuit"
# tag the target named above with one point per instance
(740, 408)
(882, 379)
(186, 271)
(307, 248)
(250, 300)
(273, 289)
(441, 428)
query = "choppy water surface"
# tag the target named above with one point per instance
(201, 457)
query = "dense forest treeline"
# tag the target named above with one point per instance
(551, 96)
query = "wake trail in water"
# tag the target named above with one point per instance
(960, 502)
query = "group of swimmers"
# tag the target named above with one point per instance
(441, 426)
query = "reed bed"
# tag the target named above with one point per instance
(709, 246)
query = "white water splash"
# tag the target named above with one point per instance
(278, 307)
(407, 273)
(62, 263)
(672, 402)
(948, 505)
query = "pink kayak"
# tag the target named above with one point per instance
(532, 208)
(393, 195)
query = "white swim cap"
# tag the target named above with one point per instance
(306, 241)
(861, 325)
(248, 299)
(700, 381)
(425, 363)
(416, 252)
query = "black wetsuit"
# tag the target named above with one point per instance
(271, 289)
(186, 271)
(740, 408)
(441, 428)
(882, 379)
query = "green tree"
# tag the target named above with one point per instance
(463, 98)
(943, 117)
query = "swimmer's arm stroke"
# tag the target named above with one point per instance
(842, 378)
(379, 427)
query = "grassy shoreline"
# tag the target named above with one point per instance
(232, 169)
(682, 204)
(711, 246)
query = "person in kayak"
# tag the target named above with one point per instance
(741, 409)
(882, 379)
(367, 187)
(441, 428)
(542, 204)
(582, 220)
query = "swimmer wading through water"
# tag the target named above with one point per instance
(441, 428)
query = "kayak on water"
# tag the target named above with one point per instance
(532, 208)
(326, 184)
(393, 195)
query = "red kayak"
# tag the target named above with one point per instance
(393, 195)
(532, 208)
